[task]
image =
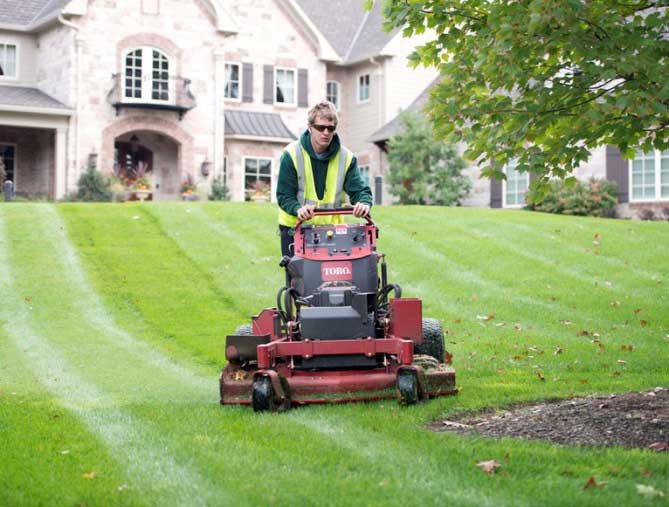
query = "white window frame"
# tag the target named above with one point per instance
(270, 175)
(336, 102)
(657, 178)
(276, 72)
(147, 77)
(16, 158)
(512, 165)
(239, 81)
(359, 88)
(15, 77)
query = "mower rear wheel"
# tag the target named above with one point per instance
(244, 330)
(262, 397)
(407, 385)
(433, 340)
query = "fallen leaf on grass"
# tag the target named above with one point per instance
(489, 466)
(558, 350)
(583, 381)
(541, 376)
(123, 487)
(643, 323)
(648, 491)
(644, 471)
(384, 482)
(90, 475)
(615, 304)
(566, 322)
(592, 483)
(486, 317)
(620, 361)
(628, 348)
(637, 311)
(453, 424)
(659, 446)
(65, 452)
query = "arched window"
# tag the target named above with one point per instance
(147, 76)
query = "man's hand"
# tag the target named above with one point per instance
(306, 212)
(361, 210)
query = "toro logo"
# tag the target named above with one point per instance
(332, 271)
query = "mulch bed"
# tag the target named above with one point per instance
(633, 420)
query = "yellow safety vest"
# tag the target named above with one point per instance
(333, 196)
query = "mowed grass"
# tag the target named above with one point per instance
(113, 320)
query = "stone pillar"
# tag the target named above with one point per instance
(60, 163)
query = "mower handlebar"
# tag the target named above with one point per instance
(334, 211)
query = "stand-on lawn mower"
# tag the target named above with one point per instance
(335, 336)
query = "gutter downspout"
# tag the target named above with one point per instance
(78, 44)
(381, 110)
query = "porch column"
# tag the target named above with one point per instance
(60, 163)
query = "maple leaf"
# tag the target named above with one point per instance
(592, 483)
(648, 491)
(489, 466)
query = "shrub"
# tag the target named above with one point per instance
(595, 198)
(219, 190)
(93, 187)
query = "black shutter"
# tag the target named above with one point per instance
(247, 82)
(268, 84)
(617, 169)
(302, 88)
(495, 193)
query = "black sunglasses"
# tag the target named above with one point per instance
(321, 128)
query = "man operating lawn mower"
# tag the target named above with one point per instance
(316, 171)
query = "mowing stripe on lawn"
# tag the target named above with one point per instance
(143, 451)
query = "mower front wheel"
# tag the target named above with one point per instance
(407, 385)
(262, 397)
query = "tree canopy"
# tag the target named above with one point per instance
(544, 81)
(424, 170)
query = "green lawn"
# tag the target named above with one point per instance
(112, 326)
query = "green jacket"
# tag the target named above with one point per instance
(287, 186)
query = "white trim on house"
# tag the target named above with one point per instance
(337, 84)
(17, 50)
(285, 103)
(358, 89)
(37, 110)
(657, 177)
(147, 80)
(239, 81)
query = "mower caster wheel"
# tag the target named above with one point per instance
(407, 385)
(263, 395)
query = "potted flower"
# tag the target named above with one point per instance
(259, 191)
(188, 188)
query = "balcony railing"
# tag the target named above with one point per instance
(171, 94)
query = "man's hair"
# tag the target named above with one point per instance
(326, 109)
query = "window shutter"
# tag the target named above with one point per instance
(302, 88)
(268, 84)
(617, 169)
(247, 82)
(495, 193)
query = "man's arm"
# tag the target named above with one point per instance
(287, 186)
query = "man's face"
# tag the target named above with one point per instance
(322, 137)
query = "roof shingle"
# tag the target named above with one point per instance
(25, 12)
(249, 123)
(23, 96)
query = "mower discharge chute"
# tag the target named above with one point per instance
(335, 336)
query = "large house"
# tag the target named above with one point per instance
(188, 88)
